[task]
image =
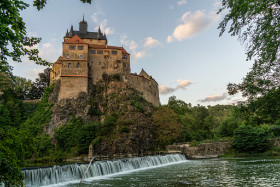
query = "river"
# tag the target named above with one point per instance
(210, 172)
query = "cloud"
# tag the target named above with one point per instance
(133, 46)
(192, 24)
(164, 90)
(181, 2)
(48, 51)
(150, 42)
(215, 98)
(182, 84)
(102, 23)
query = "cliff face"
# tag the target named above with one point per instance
(132, 131)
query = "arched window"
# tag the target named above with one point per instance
(78, 65)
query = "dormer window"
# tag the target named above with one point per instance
(80, 47)
(72, 47)
(67, 56)
(78, 65)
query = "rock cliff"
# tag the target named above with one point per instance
(132, 132)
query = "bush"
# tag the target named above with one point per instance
(75, 134)
(124, 129)
(248, 139)
(275, 129)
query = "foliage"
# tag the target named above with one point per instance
(249, 139)
(15, 147)
(256, 23)
(75, 134)
(167, 128)
(178, 106)
(41, 115)
(44, 145)
(136, 102)
(265, 109)
(124, 129)
(228, 126)
(108, 125)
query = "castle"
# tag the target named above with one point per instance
(86, 57)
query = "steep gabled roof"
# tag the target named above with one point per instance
(75, 40)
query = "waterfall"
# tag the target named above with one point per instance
(74, 172)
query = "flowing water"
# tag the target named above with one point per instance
(170, 170)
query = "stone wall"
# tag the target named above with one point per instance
(200, 151)
(148, 87)
(70, 87)
(112, 64)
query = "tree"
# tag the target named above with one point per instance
(167, 128)
(257, 24)
(248, 139)
(13, 33)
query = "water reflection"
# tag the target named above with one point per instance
(214, 172)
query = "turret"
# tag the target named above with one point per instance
(71, 31)
(83, 26)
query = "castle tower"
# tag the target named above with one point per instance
(86, 56)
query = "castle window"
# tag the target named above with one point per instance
(92, 51)
(69, 65)
(124, 57)
(99, 63)
(78, 65)
(114, 52)
(80, 47)
(99, 52)
(67, 56)
(124, 64)
(72, 47)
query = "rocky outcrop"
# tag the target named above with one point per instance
(201, 151)
(132, 132)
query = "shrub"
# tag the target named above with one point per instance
(75, 134)
(124, 129)
(248, 139)
(275, 129)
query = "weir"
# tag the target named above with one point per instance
(74, 172)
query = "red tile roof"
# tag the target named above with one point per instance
(75, 40)
(108, 47)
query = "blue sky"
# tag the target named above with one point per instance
(175, 41)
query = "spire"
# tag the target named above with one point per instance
(67, 31)
(99, 30)
(83, 17)
(71, 29)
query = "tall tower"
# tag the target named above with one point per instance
(83, 26)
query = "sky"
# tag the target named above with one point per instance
(175, 41)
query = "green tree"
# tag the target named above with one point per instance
(167, 128)
(256, 23)
(178, 106)
(249, 139)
